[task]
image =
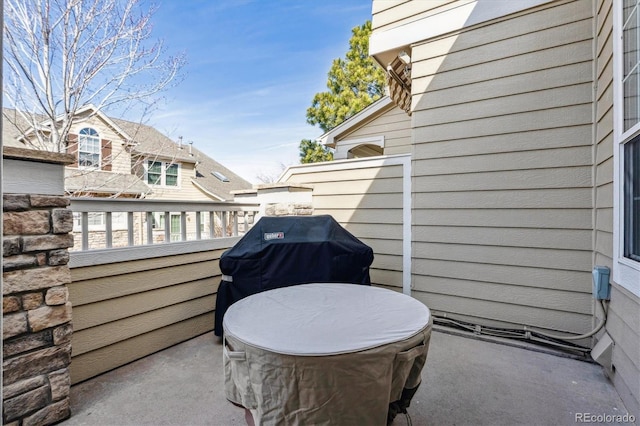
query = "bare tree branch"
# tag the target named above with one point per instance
(62, 55)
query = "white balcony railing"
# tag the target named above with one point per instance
(110, 224)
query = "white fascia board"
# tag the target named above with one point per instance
(343, 146)
(103, 117)
(206, 191)
(89, 107)
(466, 15)
(346, 164)
(111, 123)
(329, 137)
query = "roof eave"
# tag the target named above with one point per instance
(328, 138)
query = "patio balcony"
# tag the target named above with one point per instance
(142, 351)
(468, 379)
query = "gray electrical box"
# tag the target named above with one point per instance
(601, 287)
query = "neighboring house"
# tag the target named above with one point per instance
(523, 128)
(381, 128)
(102, 150)
(123, 159)
(120, 158)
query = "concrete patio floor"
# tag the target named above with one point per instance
(466, 381)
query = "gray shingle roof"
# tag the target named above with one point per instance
(12, 122)
(96, 181)
(147, 142)
(150, 142)
(205, 178)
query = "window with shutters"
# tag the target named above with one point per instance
(89, 148)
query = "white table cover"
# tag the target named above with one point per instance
(324, 319)
(324, 354)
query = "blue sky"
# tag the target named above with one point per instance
(253, 69)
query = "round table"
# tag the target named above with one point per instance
(324, 353)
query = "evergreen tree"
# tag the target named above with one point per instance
(314, 152)
(354, 83)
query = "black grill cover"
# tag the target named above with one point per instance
(283, 251)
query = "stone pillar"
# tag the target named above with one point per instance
(36, 312)
(279, 199)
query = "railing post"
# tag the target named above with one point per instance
(212, 224)
(167, 227)
(108, 230)
(183, 226)
(198, 224)
(85, 231)
(149, 227)
(235, 223)
(130, 230)
(224, 223)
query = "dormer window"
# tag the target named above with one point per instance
(162, 174)
(154, 173)
(89, 148)
(171, 175)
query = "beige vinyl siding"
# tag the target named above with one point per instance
(368, 203)
(394, 125)
(387, 14)
(623, 322)
(127, 310)
(185, 191)
(502, 170)
(120, 158)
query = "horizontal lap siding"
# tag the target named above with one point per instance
(390, 14)
(186, 190)
(368, 203)
(623, 322)
(502, 171)
(127, 310)
(120, 160)
(394, 125)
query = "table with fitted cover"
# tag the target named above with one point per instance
(324, 353)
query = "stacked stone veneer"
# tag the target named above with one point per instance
(279, 199)
(35, 308)
(289, 209)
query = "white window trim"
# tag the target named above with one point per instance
(344, 146)
(626, 272)
(99, 165)
(160, 220)
(163, 176)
